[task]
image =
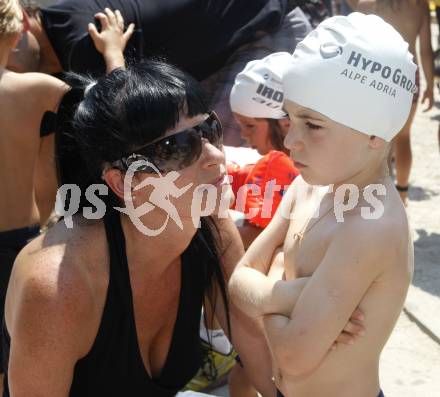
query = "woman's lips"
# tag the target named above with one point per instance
(220, 181)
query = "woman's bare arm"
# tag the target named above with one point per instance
(247, 335)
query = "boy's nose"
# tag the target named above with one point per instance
(293, 139)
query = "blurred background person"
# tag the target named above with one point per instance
(257, 104)
(411, 18)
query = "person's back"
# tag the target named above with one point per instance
(24, 98)
(29, 102)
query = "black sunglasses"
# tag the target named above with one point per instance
(177, 151)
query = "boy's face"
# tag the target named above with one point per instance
(324, 151)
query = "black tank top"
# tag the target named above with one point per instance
(114, 366)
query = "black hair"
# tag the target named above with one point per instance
(104, 120)
(124, 111)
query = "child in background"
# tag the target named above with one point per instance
(412, 20)
(256, 102)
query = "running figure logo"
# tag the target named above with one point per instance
(164, 188)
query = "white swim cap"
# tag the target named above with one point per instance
(357, 71)
(258, 90)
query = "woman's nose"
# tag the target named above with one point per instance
(212, 155)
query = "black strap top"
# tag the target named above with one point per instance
(114, 365)
(48, 124)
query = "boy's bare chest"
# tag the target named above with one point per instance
(307, 241)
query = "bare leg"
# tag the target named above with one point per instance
(1, 384)
(438, 133)
(402, 150)
(390, 160)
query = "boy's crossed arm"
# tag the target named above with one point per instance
(327, 304)
(257, 289)
(249, 286)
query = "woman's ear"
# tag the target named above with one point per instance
(284, 124)
(115, 181)
(376, 142)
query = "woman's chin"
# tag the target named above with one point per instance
(225, 199)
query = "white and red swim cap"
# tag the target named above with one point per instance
(258, 89)
(355, 70)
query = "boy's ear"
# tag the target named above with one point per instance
(376, 142)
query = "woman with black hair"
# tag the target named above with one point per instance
(101, 308)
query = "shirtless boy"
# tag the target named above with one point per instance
(24, 99)
(412, 20)
(26, 159)
(348, 92)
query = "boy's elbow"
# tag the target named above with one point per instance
(234, 282)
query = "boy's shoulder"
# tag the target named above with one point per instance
(36, 88)
(383, 226)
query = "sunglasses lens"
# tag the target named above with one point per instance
(180, 150)
(212, 131)
(177, 151)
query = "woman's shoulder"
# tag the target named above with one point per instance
(60, 266)
(54, 300)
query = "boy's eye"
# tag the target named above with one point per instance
(313, 126)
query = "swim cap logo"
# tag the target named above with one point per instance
(330, 50)
(385, 72)
(269, 96)
(270, 93)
